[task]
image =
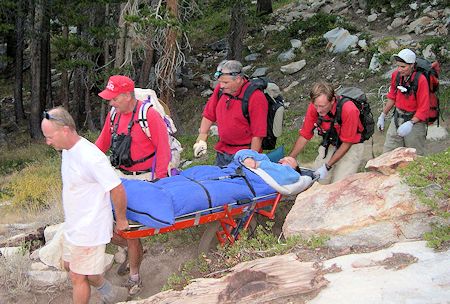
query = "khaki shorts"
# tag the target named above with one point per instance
(416, 139)
(346, 166)
(85, 260)
(143, 177)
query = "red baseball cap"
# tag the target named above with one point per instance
(117, 84)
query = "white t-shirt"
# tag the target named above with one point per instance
(87, 178)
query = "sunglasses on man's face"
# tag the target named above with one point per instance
(49, 116)
(217, 74)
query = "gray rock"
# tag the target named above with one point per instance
(293, 67)
(375, 64)
(286, 56)
(296, 43)
(363, 44)
(219, 45)
(206, 93)
(436, 133)
(259, 72)
(407, 272)
(47, 278)
(340, 40)
(252, 57)
(428, 53)
(372, 17)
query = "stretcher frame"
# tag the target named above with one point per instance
(227, 215)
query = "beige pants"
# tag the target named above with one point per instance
(415, 139)
(85, 260)
(346, 166)
(144, 177)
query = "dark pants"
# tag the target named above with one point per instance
(223, 159)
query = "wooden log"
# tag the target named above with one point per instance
(268, 280)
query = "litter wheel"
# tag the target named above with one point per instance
(208, 240)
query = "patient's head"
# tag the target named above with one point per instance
(290, 161)
(287, 161)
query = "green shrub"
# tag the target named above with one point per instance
(191, 269)
(438, 237)
(429, 180)
(13, 159)
(317, 25)
(36, 186)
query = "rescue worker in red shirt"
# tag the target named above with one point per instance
(408, 126)
(340, 152)
(134, 154)
(224, 108)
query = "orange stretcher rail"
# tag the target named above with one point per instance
(226, 214)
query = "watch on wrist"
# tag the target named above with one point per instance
(328, 166)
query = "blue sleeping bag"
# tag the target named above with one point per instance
(198, 188)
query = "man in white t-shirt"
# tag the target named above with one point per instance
(89, 186)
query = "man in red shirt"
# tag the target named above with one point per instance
(134, 154)
(341, 152)
(408, 127)
(224, 108)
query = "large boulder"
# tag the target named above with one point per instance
(407, 272)
(366, 209)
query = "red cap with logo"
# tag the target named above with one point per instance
(117, 84)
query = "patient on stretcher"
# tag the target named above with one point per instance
(251, 175)
(283, 174)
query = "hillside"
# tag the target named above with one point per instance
(271, 36)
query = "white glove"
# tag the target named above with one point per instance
(322, 172)
(380, 122)
(405, 128)
(200, 148)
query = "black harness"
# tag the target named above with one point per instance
(121, 146)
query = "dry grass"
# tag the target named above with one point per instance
(13, 274)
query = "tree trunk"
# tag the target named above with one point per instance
(146, 65)
(121, 42)
(45, 60)
(106, 45)
(87, 105)
(64, 89)
(18, 67)
(264, 7)
(166, 77)
(277, 279)
(78, 96)
(36, 70)
(238, 29)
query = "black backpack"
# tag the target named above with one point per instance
(275, 111)
(357, 96)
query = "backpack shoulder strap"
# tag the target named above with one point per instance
(245, 99)
(415, 82)
(340, 103)
(142, 118)
(397, 80)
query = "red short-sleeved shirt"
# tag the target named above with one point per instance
(418, 103)
(351, 128)
(141, 145)
(235, 132)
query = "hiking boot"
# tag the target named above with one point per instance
(119, 294)
(134, 288)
